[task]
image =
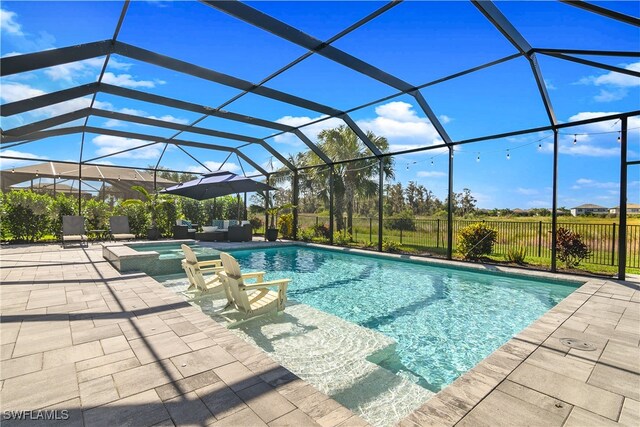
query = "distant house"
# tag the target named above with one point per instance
(520, 212)
(589, 209)
(632, 209)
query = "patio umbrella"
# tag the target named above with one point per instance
(217, 184)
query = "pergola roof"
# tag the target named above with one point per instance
(118, 177)
(52, 126)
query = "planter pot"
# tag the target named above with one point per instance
(153, 234)
(272, 234)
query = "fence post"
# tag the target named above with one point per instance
(370, 229)
(613, 245)
(438, 233)
(539, 239)
(316, 220)
(401, 235)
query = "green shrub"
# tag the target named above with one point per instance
(476, 240)
(405, 220)
(97, 214)
(570, 248)
(167, 214)
(60, 206)
(256, 223)
(192, 210)
(368, 244)
(138, 216)
(321, 231)
(26, 215)
(306, 234)
(341, 239)
(516, 255)
(390, 245)
(285, 224)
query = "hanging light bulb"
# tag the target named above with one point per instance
(37, 174)
(619, 139)
(508, 155)
(478, 158)
(13, 170)
(539, 146)
(118, 177)
(431, 162)
(575, 139)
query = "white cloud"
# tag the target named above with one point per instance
(310, 131)
(609, 96)
(430, 174)
(549, 85)
(615, 79)
(527, 191)
(271, 165)
(213, 166)
(444, 119)
(127, 80)
(12, 163)
(397, 121)
(12, 92)
(108, 144)
(595, 139)
(583, 183)
(86, 68)
(15, 153)
(8, 24)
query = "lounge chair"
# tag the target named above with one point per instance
(73, 229)
(196, 270)
(261, 300)
(119, 226)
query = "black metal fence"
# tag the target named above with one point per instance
(430, 235)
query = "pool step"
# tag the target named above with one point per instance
(338, 357)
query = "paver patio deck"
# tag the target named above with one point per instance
(117, 349)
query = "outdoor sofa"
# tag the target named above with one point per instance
(184, 229)
(226, 230)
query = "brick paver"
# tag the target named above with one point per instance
(116, 349)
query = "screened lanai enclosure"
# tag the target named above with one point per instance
(387, 125)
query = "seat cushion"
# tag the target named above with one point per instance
(124, 236)
(209, 229)
(74, 238)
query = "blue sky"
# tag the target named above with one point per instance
(418, 41)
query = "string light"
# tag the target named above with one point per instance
(13, 170)
(539, 146)
(478, 158)
(508, 155)
(432, 162)
(575, 139)
(37, 174)
(619, 139)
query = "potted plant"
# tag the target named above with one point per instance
(271, 233)
(152, 203)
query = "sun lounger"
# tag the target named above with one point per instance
(120, 228)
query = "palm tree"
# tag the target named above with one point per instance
(356, 178)
(152, 202)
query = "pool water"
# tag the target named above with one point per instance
(174, 251)
(444, 320)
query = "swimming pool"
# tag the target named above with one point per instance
(444, 320)
(381, 335)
